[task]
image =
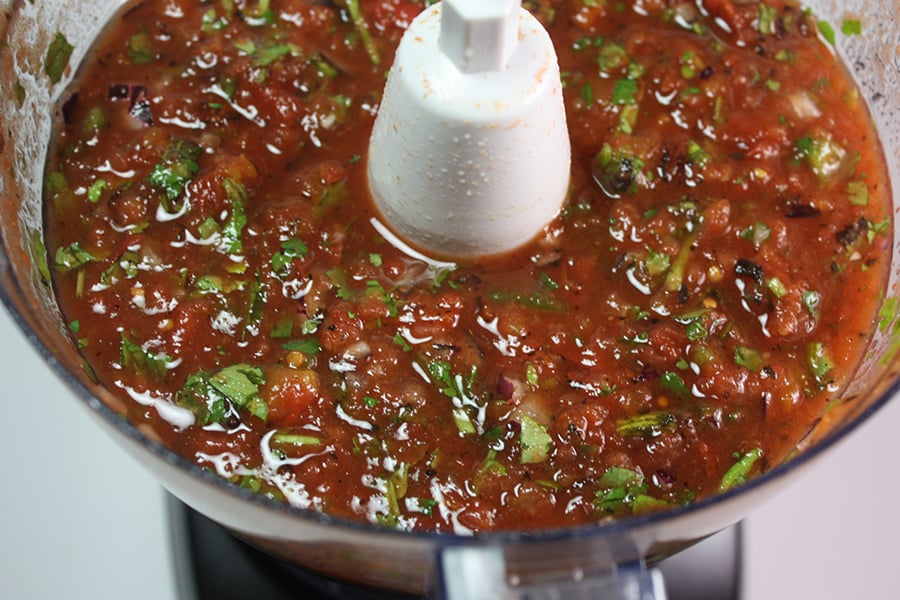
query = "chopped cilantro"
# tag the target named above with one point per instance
(621, 490)
(211, 396)
(237, 220)
(71, 257)
(851, 27)
(534, 441)
(177, 167)
(374, 286)
(57, 58)
(858, 193)
(96, 190)
(587, 95)
(307, 346)
(283, 329)
(697, 155)
(290, 249)
(611, 56)
(674, 384)
(767, 19)
(823, 155)
(820, 362)
(209, 283)
(624, 91)
(401, 341)
(749, 358)
(134, 356)
(827, 32)
(657, 263)
(456, 388)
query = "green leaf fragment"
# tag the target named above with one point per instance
(749, 358)
(534, 441)
(134, 356)
(57, 58)
(767, 19)
(820, 362)
(307, 346)
(757, 233)
(620, 477)
(652, 424)
(827, 32)
(624, 91)
(858, 193)
(739, 472)
(176, 168)
(95, 192)
(290, 249)
(674, 384)
(233, 228)
(71, 257)
(851, 27)
(283, 329)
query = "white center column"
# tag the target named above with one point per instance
(470, 151)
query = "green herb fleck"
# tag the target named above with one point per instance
(134, 356)
(674, 384)
(71, 257)
(827, 32)
(237, 220)
(651, 424)
(851, 27)
(740, 471)
(749, 358)
(177, 167)
(858, 193)
(757, 233)
(96, 190)
(820, 362)
(290, 249)
(811, 302)
(534, 441)
(308, 346)
(57, 57)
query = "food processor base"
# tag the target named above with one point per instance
(211, 563)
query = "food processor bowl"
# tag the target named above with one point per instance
(353, 551)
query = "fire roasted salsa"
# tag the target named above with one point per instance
(696, 307)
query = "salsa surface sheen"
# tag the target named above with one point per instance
(707, 289)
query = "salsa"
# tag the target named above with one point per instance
(695, 308)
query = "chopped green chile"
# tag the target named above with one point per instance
(739, 472)
(209, 234)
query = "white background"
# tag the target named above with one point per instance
(80, 519)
